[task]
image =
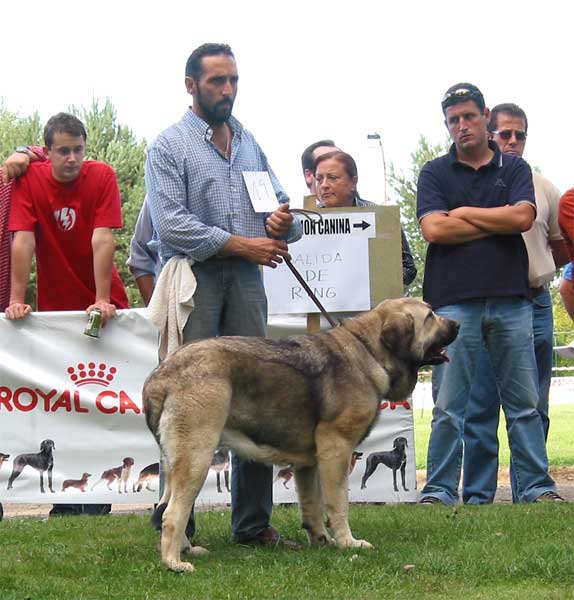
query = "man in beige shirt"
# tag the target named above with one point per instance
(508, 127)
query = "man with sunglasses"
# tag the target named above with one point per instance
(473, 204)
(508, 127)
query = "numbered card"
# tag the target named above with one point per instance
(260, 191)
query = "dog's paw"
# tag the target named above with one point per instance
(362, 544)
(353, 543)
(196, 551)
(178, 566)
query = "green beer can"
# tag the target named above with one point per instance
(94, 323)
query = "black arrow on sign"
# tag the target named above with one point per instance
(363, 225)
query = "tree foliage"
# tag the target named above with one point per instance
(18, 131)
(405, 190)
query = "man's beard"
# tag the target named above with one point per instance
(216, 114)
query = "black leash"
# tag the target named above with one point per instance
(307, 214)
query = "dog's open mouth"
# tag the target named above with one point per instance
(436, 355)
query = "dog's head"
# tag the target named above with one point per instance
(86, 475)
(414, 333)
(402, 335)
(400, 443)
(128, 461)
(47, 446)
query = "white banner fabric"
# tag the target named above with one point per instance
(84, 395)
(78, 399)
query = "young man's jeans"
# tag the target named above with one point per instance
(504, 327)
(230, 300)
(480, 469)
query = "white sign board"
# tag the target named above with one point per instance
(333, 259)
(341, 225)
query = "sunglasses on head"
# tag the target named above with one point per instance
(459, 93)
(506, 134)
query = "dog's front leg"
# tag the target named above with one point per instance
(334, 454)
(403, 469)
(50, 480)
(42, 482)
(395, 487)
(311, 504)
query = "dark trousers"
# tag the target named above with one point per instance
(80, 509)
(230, 300)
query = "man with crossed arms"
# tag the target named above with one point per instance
(473, 204)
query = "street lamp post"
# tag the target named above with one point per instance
(376, 139)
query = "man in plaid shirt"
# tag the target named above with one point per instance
(201, 209)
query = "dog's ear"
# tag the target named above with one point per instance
(398, 332)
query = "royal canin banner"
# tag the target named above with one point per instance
(74, 402)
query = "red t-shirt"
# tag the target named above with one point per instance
(63, 217)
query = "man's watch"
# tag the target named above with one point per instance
(24, 150)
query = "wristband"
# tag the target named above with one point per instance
(25, 150)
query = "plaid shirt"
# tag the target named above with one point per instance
(5, 195)
(197, 197)
(5, 235)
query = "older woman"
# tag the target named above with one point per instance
(336, 183)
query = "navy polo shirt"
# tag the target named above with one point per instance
(493, 266)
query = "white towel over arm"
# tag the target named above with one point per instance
(172, 302)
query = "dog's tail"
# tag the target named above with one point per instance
(153, 398)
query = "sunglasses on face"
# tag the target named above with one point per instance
(506, 134)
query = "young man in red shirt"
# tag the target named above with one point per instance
(64, 211)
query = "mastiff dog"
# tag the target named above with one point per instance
(305, 401)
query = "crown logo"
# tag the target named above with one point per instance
(394, 403)
(92, 373)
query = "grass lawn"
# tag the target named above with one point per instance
(560, 438)
(498, 551)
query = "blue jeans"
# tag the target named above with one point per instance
(504, 327)
(480, 469)
(230, 300)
